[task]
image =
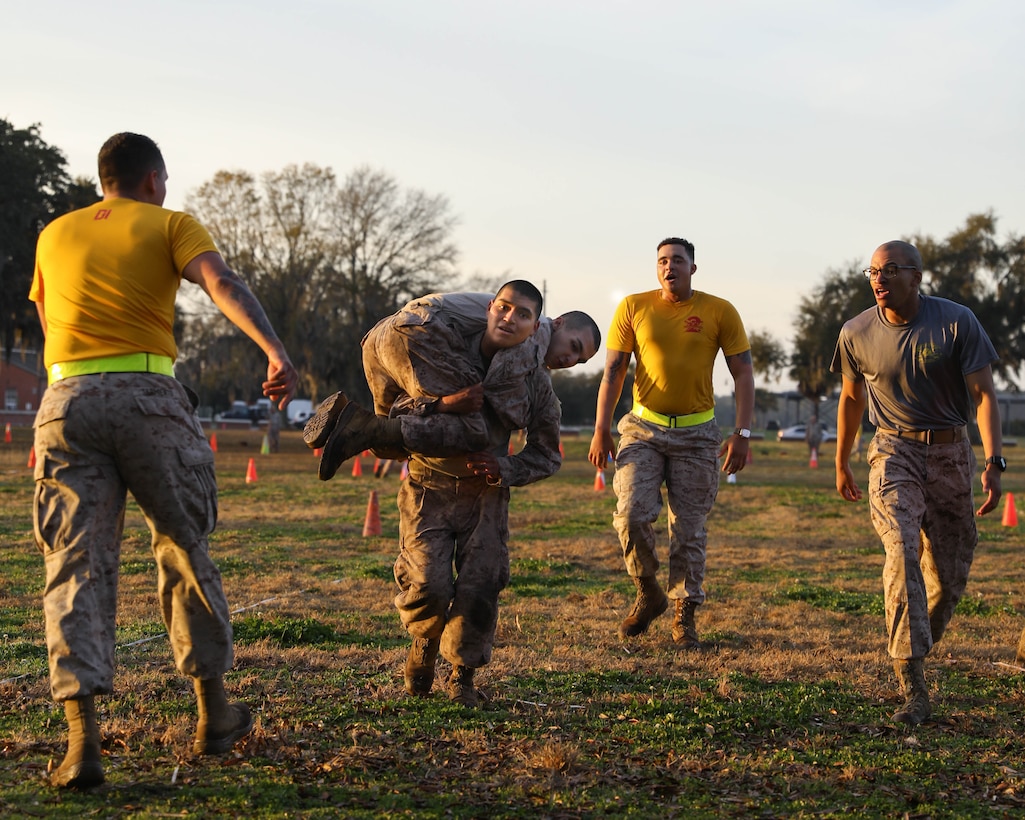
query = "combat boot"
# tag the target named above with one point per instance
(321, 424)
(82, 767)
(651, 602)
(221, 724)
(685, 633)
(911, 676)
(419, 671)
(461, 688)
(356, 430)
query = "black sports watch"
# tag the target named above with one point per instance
(1000, 461)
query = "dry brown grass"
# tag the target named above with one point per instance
(291, 550)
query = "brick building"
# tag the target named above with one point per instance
(22, 384)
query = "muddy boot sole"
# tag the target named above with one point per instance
(321, 424)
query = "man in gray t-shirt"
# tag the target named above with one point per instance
(923, 365)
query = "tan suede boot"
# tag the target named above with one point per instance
(82, 767)
(685, 633)
(419, 671)
(461, 688)
(221, 724)
(911, 675)
(651, 602)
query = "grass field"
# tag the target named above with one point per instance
(784, 715)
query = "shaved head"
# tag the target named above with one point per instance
(898, 247)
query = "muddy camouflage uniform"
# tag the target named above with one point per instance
(453, 520)
(419, 354)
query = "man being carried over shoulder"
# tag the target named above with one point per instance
(419, 371)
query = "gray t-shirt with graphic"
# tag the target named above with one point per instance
(914, 373)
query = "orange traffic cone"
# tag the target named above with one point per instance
(511, 450)
(32, 457)
(1010, 514)
(357, 467)
(7, 433)
(318, 452)
(372, 523)
(599, 481)
(213, 442)
(251, 471)
(562, 452)
(404, 472)
(813, 460)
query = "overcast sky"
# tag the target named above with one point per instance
(783, 138)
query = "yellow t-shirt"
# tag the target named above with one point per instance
(675, 345)
(107, 276)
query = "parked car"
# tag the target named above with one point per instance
(299, 411)
(796, 433)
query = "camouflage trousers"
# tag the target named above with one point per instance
(921, 503)
(97, 438)
(453, 561)
(685, 459)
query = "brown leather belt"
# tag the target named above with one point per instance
(437, 480)
(951, 436)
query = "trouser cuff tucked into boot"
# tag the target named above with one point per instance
(82, 767)
(461, 688)
(911, 676)
(685, 633)
(221, 724)
(420, 662)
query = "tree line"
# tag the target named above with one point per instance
(971, 266)
(329, 257)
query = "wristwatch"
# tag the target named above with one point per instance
(743, 432)
(1000, 461)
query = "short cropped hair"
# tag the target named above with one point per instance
(672, 240)
(578, 320)
(522, 287)
(125, 159)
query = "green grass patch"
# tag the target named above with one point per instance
(837, 600)
(785, 714)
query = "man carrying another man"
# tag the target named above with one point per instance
(453, 508)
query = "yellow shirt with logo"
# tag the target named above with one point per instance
(675, 345)
(107, 276)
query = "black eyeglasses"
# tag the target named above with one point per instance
(887, 272)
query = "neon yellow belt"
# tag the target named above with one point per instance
(128, 363)
(688, 420)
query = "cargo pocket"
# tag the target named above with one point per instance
(49, 429)
(174, 405)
